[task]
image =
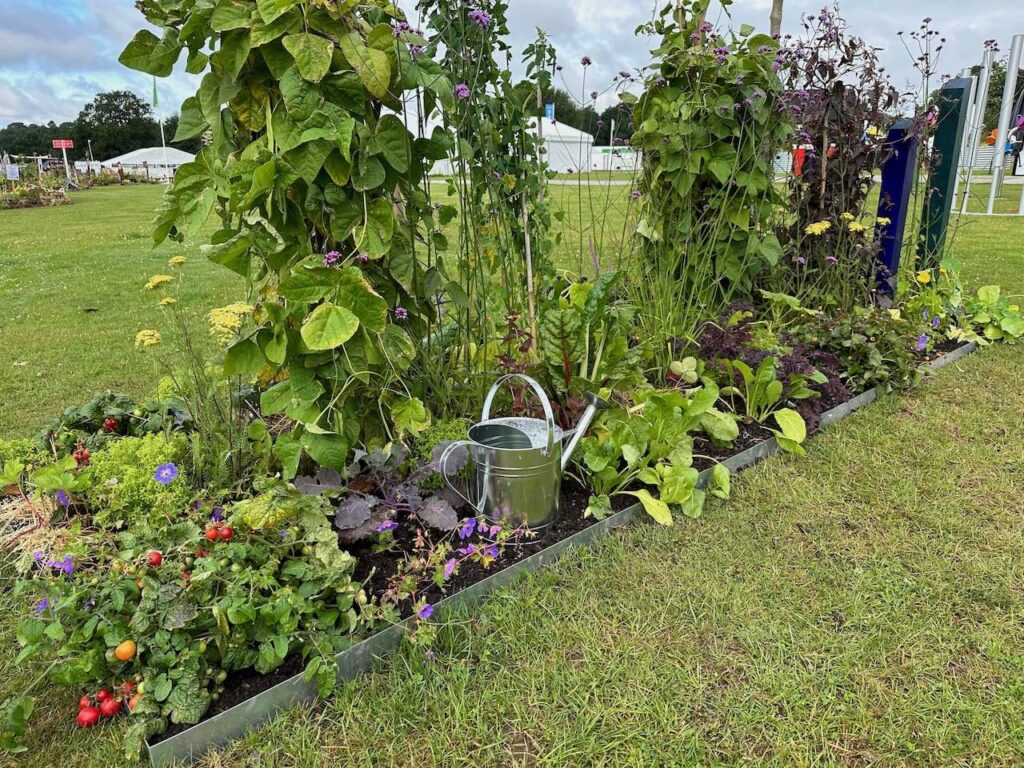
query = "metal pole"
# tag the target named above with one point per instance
(1012, 66)
(980, 104)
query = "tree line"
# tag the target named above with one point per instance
(115, 122)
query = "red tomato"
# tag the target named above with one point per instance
(110, 425)
(103, 695)
(84, 702)
(212, 534)
(110, 707)
(155, 558)
(88, 717)
(226, 534)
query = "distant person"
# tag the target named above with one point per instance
(120, 174)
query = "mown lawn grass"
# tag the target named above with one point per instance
(860, 606)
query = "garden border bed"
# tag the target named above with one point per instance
(191, 744)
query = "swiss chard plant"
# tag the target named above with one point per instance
(649, 447)
(758, 395)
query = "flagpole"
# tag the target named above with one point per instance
(163, 139)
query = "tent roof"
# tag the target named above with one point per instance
(555, 131)
(152, 156)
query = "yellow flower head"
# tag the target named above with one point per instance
(177, 261)
(147, 338)
(924, 277)
(847, 217)
(157, 280)
(943, 270)
(225, 321)
(855, 226)
(166, 301)
(882, 221)
(819, 228)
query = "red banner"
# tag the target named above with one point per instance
(63, 144)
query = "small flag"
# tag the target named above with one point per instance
(156, 99)
(549, 111)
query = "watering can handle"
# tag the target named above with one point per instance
(538, 390)
(443, 465)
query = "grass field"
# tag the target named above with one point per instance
(861, 606)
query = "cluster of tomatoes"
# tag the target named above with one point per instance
(109, 425)
(107, 705)
(219, 531)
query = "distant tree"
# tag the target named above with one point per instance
(621, 115)
(116, 122)
(995, 94)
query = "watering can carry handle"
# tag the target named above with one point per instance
(443, 465)
(538, 390)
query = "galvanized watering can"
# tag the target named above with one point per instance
(518, 462)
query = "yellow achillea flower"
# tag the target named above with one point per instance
(924, 277)
(166, 301)
(225, 321)
(855, 226)
(847, 217)
(147, 338)
(177, 261)
(819, 228)
(882, 221)
(157, 280)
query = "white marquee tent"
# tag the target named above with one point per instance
(567, 149)
(160, 163)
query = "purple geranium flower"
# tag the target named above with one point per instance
(492, 552)
(467, 528)
(469, 549)
(425, 612)
(218, 515)
(165, 474)
(387, 525)
(462, 91)
(38, 555)
(922, 342)
(449, 568)
(62, 498)
(42, 605)
(936, 322)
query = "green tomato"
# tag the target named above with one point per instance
(190, 562)
(137, 413)
(142, 687)
(221, 677)
(236, 568)
(361, 597)
(225, 562)
(202, 646)
(307, 551)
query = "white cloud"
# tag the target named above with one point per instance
(52, 53)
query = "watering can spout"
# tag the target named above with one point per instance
(595, 404)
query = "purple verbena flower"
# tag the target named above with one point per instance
(832, 260)
(401, 313)
(362, 257)
(331, 258)
(636, 194)
(401, 27)
(660, 80)
(586, 61)
(462, 91)
(480, 17)
(165, 474)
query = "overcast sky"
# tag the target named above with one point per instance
(55, 55)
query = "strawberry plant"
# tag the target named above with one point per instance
(159, 604)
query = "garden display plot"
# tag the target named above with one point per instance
(279, 506)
